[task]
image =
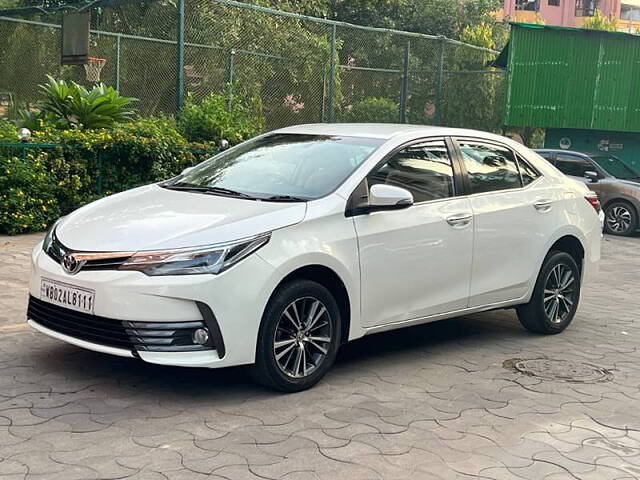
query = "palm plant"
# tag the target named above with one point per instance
(71, 105)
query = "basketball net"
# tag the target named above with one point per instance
(93, 68)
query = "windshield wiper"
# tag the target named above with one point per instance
(188, 187)
(284, 198)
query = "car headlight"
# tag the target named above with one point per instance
(193, 261)
(48, 238)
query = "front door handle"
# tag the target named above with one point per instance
(460, 220)
(543, 205)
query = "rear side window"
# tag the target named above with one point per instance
(572, 165)
(490, 167)
(424, 169)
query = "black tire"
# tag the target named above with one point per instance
(275, 326)
(621, 218)
(538, 315)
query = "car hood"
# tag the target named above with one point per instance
(153, 217)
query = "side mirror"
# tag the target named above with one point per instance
(186, 170)
(591, 175)
(388, 197)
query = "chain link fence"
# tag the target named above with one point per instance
(296, 69)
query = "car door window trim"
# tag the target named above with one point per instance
(458, 187)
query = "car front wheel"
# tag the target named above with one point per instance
(555, 297)
(620, 218)
(299, 337)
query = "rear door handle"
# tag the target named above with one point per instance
(543, 205)
(459, 220)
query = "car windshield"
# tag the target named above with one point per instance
(279, 167)
(616, 167)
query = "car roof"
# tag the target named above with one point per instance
(384, 131)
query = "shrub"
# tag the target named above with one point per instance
(212, 120)
(130, 154)
(8, 131)
(374, 110)
(65, 105)
(27, 196)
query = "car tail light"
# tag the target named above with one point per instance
(592, 198)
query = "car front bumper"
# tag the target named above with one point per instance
(232, 303)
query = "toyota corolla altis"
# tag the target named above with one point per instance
(279, 250)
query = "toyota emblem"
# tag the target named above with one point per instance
(71, 264)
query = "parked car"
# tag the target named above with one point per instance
(279, 250)
(617, 185)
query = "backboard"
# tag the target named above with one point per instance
(75, 38)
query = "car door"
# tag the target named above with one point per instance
(416, 262)
(515, 211)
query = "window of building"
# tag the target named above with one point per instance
(554, 3)
(586, 8)
(530, 5)
(490, 167)
(629, 11)
(425, 170)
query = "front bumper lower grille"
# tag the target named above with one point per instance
(134, 336)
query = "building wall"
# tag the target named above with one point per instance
(625, 146)
(564, 14)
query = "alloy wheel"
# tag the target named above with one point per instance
(559, 293)
(619, 219)
(302, 337)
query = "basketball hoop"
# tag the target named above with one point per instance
(93, 67)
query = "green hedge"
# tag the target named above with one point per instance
(39, 186)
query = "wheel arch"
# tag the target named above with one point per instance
(572, 245)
(328, 278)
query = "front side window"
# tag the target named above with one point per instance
(423, 169)
(616, 167)
(490, 167)
(572, 165)
(280, 167)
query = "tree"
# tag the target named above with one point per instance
(601, 22)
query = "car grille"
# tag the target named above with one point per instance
(135, 336)
(57, 251)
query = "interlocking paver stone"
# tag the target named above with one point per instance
(430, 402)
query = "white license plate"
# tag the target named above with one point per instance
(68, 296)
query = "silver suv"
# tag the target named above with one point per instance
(617, 185)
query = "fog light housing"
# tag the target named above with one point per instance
(200, 336)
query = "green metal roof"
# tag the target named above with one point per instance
(573, 78)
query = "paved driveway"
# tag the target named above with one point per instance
(436, 401)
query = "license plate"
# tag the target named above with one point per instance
(68, 296)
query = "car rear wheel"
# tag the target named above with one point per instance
(621, 218)
(299, 337)
(555, 297)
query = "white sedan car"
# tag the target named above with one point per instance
(279, 250)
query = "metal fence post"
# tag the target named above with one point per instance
(231, 72)
(439, 87)
(332, 73)
(118, 62)
(180, 72)
(404, 87)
